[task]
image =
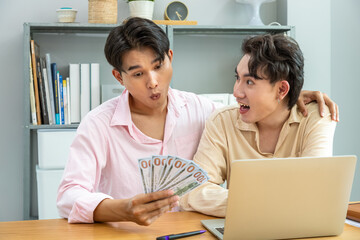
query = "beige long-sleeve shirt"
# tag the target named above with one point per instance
(226, 138)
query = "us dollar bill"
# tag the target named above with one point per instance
(158, 164)
(145, 172)
(177, 165)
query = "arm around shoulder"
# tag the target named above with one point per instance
(319, 134)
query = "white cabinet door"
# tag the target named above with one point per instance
(53, 151)
(53, 147)
(47, 183)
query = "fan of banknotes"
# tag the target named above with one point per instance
(170, 172)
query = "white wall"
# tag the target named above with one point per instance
(13, 13)
(328, 33)
(345, 82)
(312, 31)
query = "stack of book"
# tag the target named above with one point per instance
(55, 99)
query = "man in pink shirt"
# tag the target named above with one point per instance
(101, 181)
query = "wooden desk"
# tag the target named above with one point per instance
(175, 222)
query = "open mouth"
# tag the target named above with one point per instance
(155, 96)
(244, 108)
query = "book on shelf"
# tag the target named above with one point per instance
(41, 85)
(95, 84)
(74, 72)
(51, 87)
(61, 99)
(65, 100)
(68, 101)
(32, 96)
(56, 92)
(34, 50)
(46, 89)
(84, 89)
(47, 95)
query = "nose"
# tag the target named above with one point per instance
(238, 90)
(152, 81)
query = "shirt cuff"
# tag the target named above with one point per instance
(84, 206)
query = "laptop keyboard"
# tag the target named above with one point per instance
(221, 230)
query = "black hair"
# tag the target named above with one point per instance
(278, 57)
(135, 33)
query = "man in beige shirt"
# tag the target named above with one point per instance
(265, 124)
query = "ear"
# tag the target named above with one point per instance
(283, 89)
(170, 55)
(118, 76)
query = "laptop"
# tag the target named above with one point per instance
(286, 198)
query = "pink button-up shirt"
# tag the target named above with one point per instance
(103, 159)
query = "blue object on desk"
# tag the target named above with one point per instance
(180, 235)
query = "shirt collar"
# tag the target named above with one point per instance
(122, 114)
(295, 115)
(176, 101)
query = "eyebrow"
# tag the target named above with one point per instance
(158, 59)
(245, 75)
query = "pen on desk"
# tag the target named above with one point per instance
(180, 235)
